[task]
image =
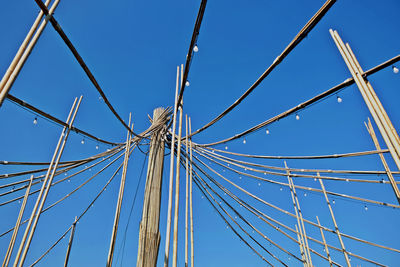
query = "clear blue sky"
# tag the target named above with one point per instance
(133, 48)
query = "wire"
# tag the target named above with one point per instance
(297, 39)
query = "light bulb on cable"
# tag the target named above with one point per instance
(297, 117)
(35, 121)
(97, 146)
(339, 99)
(196, 48)
(83, 141)
(365, 207)
(244, 141)
(395, 69)
(187, 83)
(226, 147)
(267, 131)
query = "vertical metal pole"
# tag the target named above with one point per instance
(388, 172)
(191, 199)
(30, 228)
(149, 235)
(334, 222)
(187, 195)
(23, 53)
(120, 196)
(71, 239)
(326, 246)
(18, 223)
(171, 175)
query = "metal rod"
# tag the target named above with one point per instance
(301, 246)
(120, 196)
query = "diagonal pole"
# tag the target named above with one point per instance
(16, 228)
(120, 196)
(388, 172)
(71, 239)
(23, 52)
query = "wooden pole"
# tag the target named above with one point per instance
(171, 175)
(177, 184)
(334, 222)
(388, 172)
(301, 246)
(23, 53)
(18, 223)
(191, 199)
(299, 216)
(187, 195)
(375, 107)
(71, 239)
(149, 235)
(120, 196)
(37, 210)
(325, 245)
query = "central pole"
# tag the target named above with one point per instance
(149, 234)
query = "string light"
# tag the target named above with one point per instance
(395, 69)
(226, 147)
(333, 201)
(244, 141)
(305, 194)
(365, 207)
(281, 188)
(297, 117)
(35, 121)
(339, 99)
(187, 83)
(267, 131)
(97, 146)
(196, 48)
(83, 141)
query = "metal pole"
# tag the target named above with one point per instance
(171, 175)
(120, 196)
(334, 222)
(16, 228)
(71, 239)
(300, 245)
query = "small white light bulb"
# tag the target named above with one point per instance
(365, 207)
(297, 117)
(267, 131)
(97, 146)
(187, 83)
(395, 69)
(196, 48)
(83, 141)
(226, 147)
(244, 141)
(339, 99)
(35, 121)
